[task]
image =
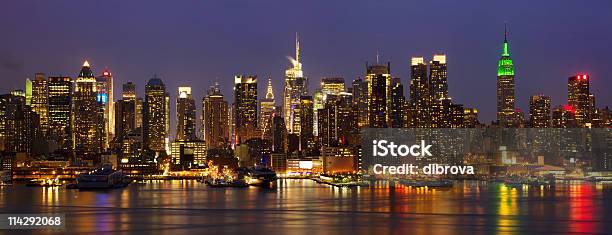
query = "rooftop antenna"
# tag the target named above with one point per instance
(377, 56)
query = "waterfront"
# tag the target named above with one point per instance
(305, 207)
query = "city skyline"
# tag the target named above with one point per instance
(544, 55)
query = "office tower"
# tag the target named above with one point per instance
(438, 91)
(333, 85)
(419, 93)
(40, 101)
(578, 97)
(266, 110)
(296, 85)
(338, 123)
(105, 97)
(60, 112)
(456, 117)
(128, 91)
(539, 111)
(28, 92)
(396, 110)
(564, 116)
(128, 111)
(329, 86)
(378, 79)
(306, 123)
(215, 119)
(360, 100)
(185, 115)
(318, 103)
(88, 124)
(155, 115)
(505, 88)
(245, 107)
(188, 154)
(278, 133)
(125, 114)
(18, 123)
(470, 117)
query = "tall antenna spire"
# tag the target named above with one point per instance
(506, 51)
(377, 56)
(297, 48)
(505, 31)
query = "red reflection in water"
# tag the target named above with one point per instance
(581, 208)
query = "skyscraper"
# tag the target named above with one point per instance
(539, 111)
(60, 112)
(438, 91)
(419, 93)
(245, 107)
(266, 109)
(40, 101)
(296, 85)
(128, 91)
(155, 115)
(332, 85)
(564, 116)
(105, 96)
(360, 100)
(215, 119)
(306, 123)
(278, 133)
(185, 115)
(338, 121)
(88, 122)
(378, 79)
(578, 96)
(19, 124)
(128, 110)
(505, 88)
(396, 110)
(28, 92)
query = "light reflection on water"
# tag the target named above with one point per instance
(302, 206)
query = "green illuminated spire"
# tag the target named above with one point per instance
(505, 67)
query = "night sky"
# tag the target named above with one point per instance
(195, 43)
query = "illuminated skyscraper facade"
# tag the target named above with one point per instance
(579, 97)
(88, 119)
(215, 120)
(564, 116)
(396, 109)
(40, 100)
(105, 97)
(360, 100)
(156, 115)
(419, 94)
(245, 107)
(505, 88)
(306, 123)
(60, 112)
(267, 108)
(296, 85)
(185, 115)
(539, 111)
(378, 79)
(438, 91)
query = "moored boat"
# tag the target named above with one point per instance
(103, 178)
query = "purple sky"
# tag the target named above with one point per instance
(197, 42)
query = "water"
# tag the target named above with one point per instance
(304, 207)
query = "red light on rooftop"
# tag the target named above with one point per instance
(569, 108)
